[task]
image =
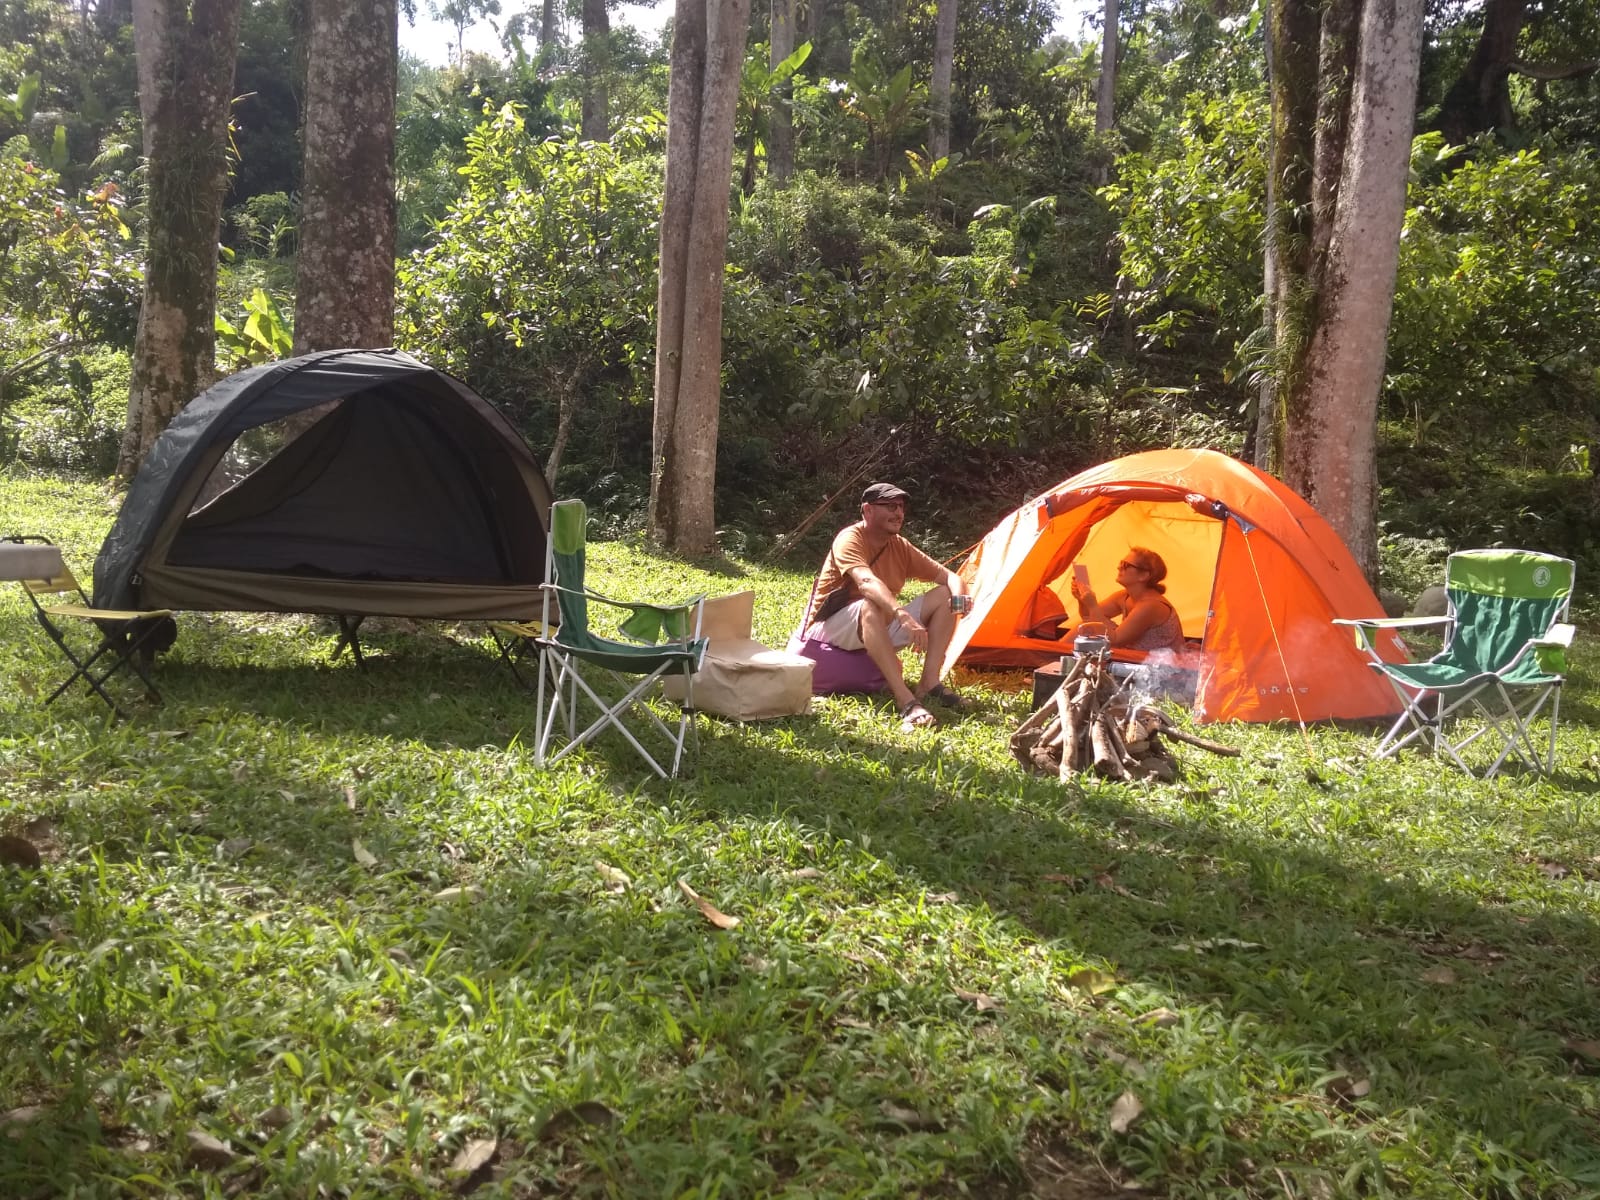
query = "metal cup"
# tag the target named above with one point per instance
(961, 605)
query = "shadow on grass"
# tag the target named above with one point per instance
(1454, 999)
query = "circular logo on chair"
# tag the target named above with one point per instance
(1541, 576)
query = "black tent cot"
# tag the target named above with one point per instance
(410, 495)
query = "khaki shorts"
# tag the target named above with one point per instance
(843, 629)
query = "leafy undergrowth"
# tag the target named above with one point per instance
(308, 928)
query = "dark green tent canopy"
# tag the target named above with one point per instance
(409, 495)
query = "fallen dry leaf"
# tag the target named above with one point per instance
(720, 919)
(805, 873)
(474, 1154)
(909, 1117)
(982, 1001)
(589, 1112)
(470, 892)
(17, 1120)
(19, 852)
(615, 876)
(1218, 943)
(1087, 979)
(1125, 1112)
(1584, 1048)
(1054, 877)
(363, 856)
(1438, 975)
(207, 1153)
(1343, 1087)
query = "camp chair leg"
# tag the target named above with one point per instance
(510, 649)
(350, 635)
(565, 682)
(123, 655)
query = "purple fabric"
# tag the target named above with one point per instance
(838, 670)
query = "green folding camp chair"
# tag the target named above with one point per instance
(1504, 657)
(122, 638)
(661, 640)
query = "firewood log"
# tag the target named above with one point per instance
(1107, 762)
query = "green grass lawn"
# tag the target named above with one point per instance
(305, 930)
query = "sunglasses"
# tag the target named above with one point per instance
(1125, 565)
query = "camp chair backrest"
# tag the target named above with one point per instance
(569, 520)
(661, 639)
(1502, 599)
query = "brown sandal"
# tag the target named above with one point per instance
(914, 716)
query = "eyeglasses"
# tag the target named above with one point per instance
(1125, 565)
(900, 504)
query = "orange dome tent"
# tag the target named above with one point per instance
(1257, 577)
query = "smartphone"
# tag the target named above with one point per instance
(1081, 574)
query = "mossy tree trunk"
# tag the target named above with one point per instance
(944, 53)
(780, 132)
(1344, 84)
(344, 273)
(186, 56)
(596, 119)
(707, 55)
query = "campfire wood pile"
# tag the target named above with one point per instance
(1092, 723)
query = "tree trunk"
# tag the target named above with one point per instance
(780, 131)
(186, 56)
(1480, 98)
(944, 53)
(547, 25)
(344, 275)
(1344, 100)
(1105, 117)
(596, 66)
(707, 52)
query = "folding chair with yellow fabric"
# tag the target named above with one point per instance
(1504, 658)
(122, 637)
(662, 639)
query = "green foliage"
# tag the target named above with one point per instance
(263, 336)
(71, 417)
(434, 116)
(1192, 222)
(68, 281)
(540, 281)
(1494, 310)
(340, 922)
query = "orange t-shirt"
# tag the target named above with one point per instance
(895, 563)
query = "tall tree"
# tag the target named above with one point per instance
(707, 50)
(944, 53)
(186, 55)
(1480, 98)
(596, 121)
(344, 273)
(1105, 116)
(1344, 83)
(780, 130)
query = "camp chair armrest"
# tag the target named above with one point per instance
(1367, 628)
(1392, 622)
(105, 614)
(648, 621)
(1551, 649)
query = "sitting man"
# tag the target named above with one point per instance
(855, 604)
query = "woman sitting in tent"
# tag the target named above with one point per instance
(1149, 622)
